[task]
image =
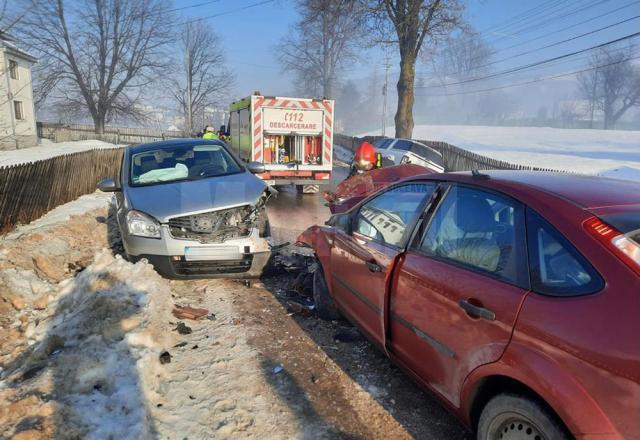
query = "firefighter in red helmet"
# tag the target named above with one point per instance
(365, 159)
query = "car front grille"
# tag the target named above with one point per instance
(214, 226)
(208, 268)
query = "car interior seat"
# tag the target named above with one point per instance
(147, 163)
(477, 247)
(505, 238)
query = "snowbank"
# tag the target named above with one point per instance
(63, 213)
(582, 151)
(48, 149)
(111, 335)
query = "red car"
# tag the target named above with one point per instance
(513, 296)
(355, 188)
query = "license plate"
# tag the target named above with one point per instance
(212, 253)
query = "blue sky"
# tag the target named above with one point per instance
(251, 36)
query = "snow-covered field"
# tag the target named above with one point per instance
(47, 149)
(613, 153)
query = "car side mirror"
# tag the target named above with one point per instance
(256, 167)
(108, 185)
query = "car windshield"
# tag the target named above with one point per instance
(183, 162)
(402, 145)
(383, 143)
(427, 153)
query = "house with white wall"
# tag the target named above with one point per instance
(17, 112)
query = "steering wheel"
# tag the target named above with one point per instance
(214, 169)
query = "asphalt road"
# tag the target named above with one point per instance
(291, 213)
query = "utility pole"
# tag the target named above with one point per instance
(189, 109)
(384, 93)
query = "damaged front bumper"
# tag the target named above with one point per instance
(231, 243)
(184, 259)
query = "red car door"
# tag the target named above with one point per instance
(459, 288)
(360, 257)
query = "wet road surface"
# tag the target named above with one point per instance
(291, 213)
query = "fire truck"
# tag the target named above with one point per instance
(292, 137)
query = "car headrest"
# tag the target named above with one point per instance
(147, 163)
(474, 215)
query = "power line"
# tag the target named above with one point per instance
(538, 24)
(532, 81)
(557, 43)
(197, 5)
(496, 51)
(567, 28)
(230, 11)
(538, 63)
(522, 16)
(532, 22)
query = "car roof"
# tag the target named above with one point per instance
(172, 143)
(585, 191)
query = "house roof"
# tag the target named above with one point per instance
(9, 42)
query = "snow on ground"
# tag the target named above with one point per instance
(581, 151)
(47, 149)
(63, 213)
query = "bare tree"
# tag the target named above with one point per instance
(569, 114)
(201, 78)
(98, 55)
(321, 43)
(462, 56)
(11, 14)
(411, 24)
(612, 84)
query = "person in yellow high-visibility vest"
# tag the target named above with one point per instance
(210, 133)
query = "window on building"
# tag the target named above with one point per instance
(13, 69)
(17, 108)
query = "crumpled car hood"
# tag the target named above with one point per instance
(169, 200)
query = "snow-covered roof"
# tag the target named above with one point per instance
(8, 41)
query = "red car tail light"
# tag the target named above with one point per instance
(620, 244)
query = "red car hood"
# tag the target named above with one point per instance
(352, 190)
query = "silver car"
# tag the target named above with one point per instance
(192, 209)
(401, 151)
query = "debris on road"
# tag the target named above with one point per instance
(183, 329)
(301, 306)
(165, 357)
(348, 335)
(188, 312)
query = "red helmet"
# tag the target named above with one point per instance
(365, 157)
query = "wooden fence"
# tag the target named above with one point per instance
(115, 135)
(29, 190)
(455, 158)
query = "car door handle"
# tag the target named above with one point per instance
(373, 266)
(477, 311)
